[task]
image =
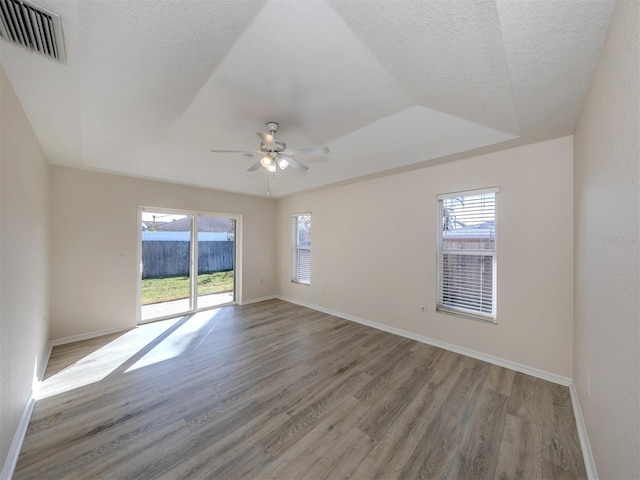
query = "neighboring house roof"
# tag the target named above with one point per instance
(480, 230)
(150, 225)
(205, 224)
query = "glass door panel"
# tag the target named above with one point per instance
(166, 265)
(216, 260)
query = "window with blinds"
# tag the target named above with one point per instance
(467, 254)
(301, 248)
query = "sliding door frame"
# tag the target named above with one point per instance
(193, 260)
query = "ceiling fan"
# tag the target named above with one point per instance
(275, 154)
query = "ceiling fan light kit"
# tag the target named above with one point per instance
(266, 161)
(283, 163)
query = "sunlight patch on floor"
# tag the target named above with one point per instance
(178, 341)
(162, 341)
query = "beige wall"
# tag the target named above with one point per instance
(374, 252)
(23, 262)
(607, 259)
(94, 221)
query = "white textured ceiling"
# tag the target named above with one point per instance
(150, 87)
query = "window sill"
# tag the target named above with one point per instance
(472, 316)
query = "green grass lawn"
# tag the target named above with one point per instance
(156, 290)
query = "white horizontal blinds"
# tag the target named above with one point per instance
(467, 253)
(302, 248)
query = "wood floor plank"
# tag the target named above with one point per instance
(510, 446)
(563, 446)
(393, 451)
(225, 455)
(500, 380)
(297, 461)
(389, 407)
(90, 432)
(527, 402)
(273, 390)
(480, 444)
(139, 452)
(384, 380)
(304, 419)
(436, 453)
(342, 459)
(195, 444)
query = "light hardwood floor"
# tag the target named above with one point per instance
(274, 390)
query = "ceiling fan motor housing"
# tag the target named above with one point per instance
(280, 146)
(272, 127)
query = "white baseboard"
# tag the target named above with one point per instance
(87, 336)
(18, 438)
(587, 454)
(534, 372)
(45, 361)
(256, 300)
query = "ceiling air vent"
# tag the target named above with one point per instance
(32, 27)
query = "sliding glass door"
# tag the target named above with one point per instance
(187, 262)
(216, 260)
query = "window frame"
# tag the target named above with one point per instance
(441, 307)
(295, 248)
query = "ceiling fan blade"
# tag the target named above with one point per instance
(246, 152)
(295, 163)
(254, 167)
(311, 151)
(267, 140)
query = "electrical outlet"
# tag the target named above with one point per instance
(588, 385)
(423, 309)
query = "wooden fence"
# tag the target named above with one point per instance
(171, 259)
